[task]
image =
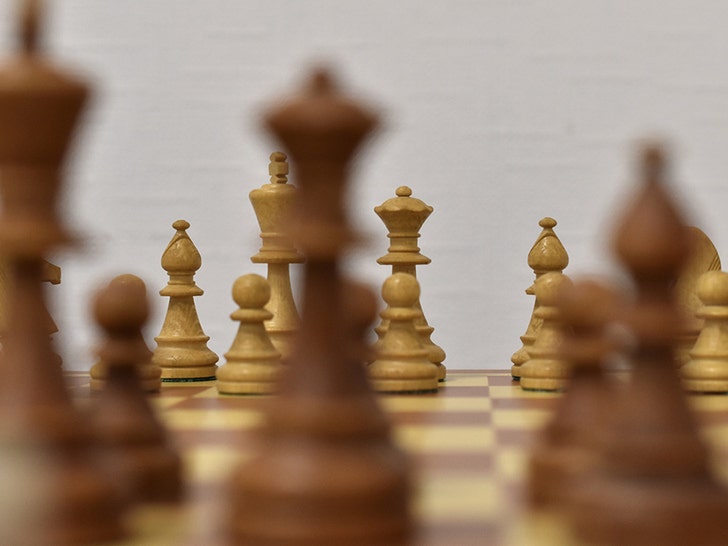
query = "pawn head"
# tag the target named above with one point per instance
(122, 304)
(251, 291)
(401, 290)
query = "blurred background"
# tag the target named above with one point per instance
(495, 113)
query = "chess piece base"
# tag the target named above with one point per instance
(634, 511)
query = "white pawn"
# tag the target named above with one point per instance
(707, 369)
(252, 364)
(402, 363)
(546, 370)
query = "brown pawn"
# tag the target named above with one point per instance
(252, 365)
(653, 484)
(132, 443)
(39, 110)
(182, 353)
(404, 215)
(546, 255)
(402, 364)
(567, 447)
(328, 472)
(546, 370)
(273, 206)
(707, 369)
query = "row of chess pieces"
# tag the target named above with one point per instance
(622, 459)
(325, 471)
(404, 358)
(701, 344)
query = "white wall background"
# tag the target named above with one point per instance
(496, 113)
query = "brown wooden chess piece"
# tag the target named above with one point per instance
(133, 446)
(273, 204)
(653, 483)
(546, 255)
(252, 365)
(39, 110)
(328, 472)
(707, 369)
(567, 447)
(182, 353)
(404, 215)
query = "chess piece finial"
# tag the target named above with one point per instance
(402, 363)
(29, 27)
(651, 448)
(403, 216)
(182, 353)
(326, 421)
(252, 365)
(707, 369)
(273, 206)
(546, 370)
(132, 443)
(546, 255)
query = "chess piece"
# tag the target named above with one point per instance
(402, 364)
(252, 365)
(653, 483)
(39, 110)
(566, 448)
(707, 369)
(546, 370)
(182, 353)
(133, 446)
(404, 215)
(703, 258)
(327, 472)
(546, 255)
(272, 204)
(51, 274)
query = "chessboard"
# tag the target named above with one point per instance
(469, 443)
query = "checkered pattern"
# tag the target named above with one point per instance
(469, 444)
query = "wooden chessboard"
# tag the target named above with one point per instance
(469, 443)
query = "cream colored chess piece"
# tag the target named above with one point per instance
(546, 255)
(707, 369)
(252, 365)
(404, 215)
(182, 351)
(402, 363)
(546, 370)
(703, 258)
(272, 204)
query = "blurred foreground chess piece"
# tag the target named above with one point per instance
(545, 369)
(703, 258)
(39, 110)
(653, 483)
(402, 362)
(546, 255)
(252, 365)
(328, 472)
(403, 216)
(566, 449)
(273, 205)
(707, 369)
(51, 274)
(182, 353)
(133, 445)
